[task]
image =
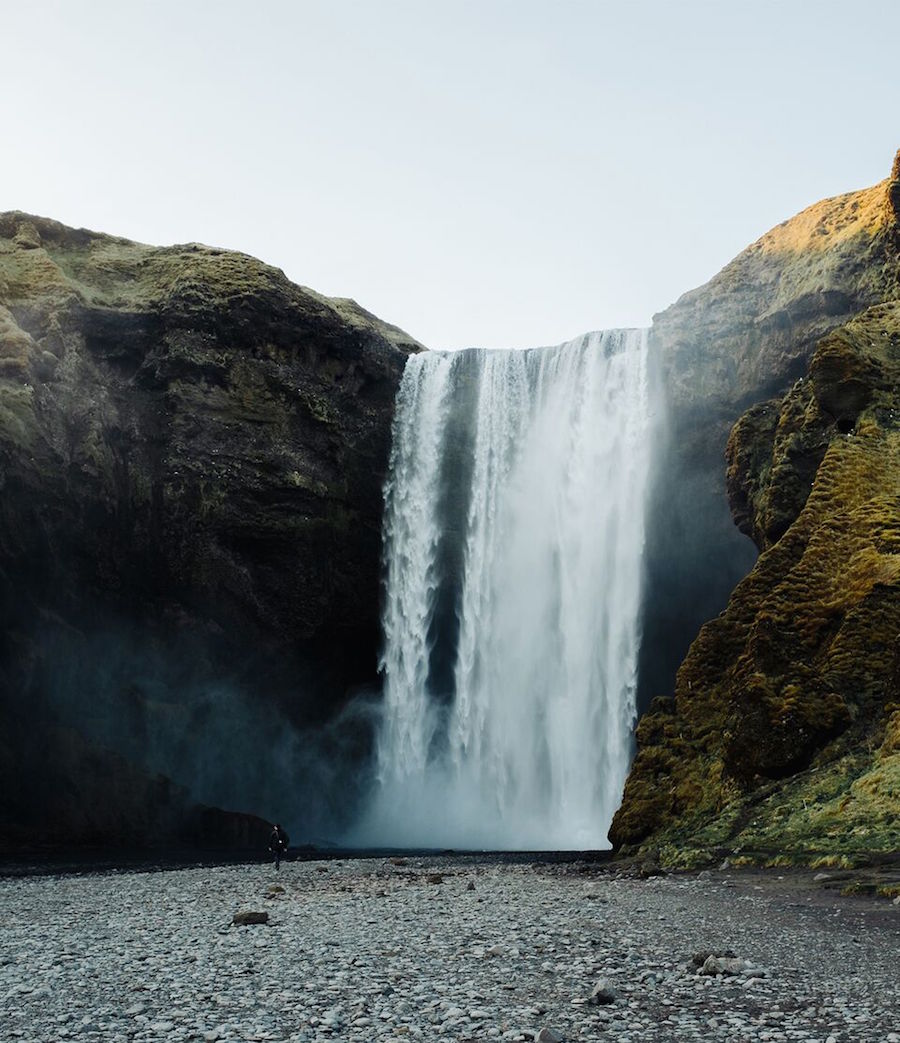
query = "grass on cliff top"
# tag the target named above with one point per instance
(64, 265)
(829, 222)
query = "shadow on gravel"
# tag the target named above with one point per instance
(106, 860)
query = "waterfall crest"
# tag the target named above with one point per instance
(513, 536)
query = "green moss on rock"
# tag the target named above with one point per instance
(784, 731)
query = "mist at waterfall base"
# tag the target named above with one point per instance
(167, 707)
(514, 528)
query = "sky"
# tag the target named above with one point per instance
(490, 173)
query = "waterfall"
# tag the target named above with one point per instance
(513, 537)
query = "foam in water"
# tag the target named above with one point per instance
(514, 528)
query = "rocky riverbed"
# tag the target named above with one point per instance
(444, 949)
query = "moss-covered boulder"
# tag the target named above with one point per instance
(781, 734)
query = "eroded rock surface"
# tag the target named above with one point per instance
(740, 340)
(192, 451)
(781, 740)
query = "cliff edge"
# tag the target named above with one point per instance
(742, 338)
(192, 451)
(782, 739)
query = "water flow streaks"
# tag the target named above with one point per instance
(514, 531)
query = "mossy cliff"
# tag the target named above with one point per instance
(782, 739)
(191, 458)
(742, 338)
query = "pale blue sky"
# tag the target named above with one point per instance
(489, 173)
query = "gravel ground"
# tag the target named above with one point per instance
(442, 949)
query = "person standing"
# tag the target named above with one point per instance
(278, 844)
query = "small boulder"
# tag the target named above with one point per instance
(248, 918)
(549, 1035)
(434, 878)
(725, 965)
(602, 994)
(470, 886)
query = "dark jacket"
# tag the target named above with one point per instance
(278, 840)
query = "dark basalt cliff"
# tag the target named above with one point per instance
(783, 739)
(192, 451)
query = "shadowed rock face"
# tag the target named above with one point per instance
(782, 737)
(744, 337)
(192, 451)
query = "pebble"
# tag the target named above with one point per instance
(370, 951)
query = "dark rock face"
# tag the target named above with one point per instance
(192, 451)
(744, 337)
(782, 737)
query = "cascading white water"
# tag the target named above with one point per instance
(514, 529)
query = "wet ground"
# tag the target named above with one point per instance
(445, 947)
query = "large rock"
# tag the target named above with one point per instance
(782, 738)
(192, 451)
(752, 328)
(745, 337)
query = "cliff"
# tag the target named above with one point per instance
(742, 338)
(781, 741)
(752, 327)
(191, 459)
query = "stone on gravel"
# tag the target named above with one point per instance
(723, 965)
(550, 1035)
(248, 918)
(98, 957)
(602, 993)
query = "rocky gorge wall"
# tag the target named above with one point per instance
(743, 337)
(781, 739)
(192, 451)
